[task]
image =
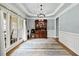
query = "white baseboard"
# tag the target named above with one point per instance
(53, 37)
(14, 45)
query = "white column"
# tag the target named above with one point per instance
(8, 31)
(24, 30)
(2, 41)
(18, 28)
(55, 27)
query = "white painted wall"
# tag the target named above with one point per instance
(3, 50)
(2, 42)
(69, 29)
(21, 35)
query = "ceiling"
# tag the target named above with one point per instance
(32, 9)
(47, 8)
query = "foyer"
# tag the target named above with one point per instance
(39, 29)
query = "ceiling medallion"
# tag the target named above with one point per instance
(41, 15)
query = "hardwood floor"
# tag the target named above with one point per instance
(39, 47)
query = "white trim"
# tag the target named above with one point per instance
(2, 42)
(38, 18)
(14, 9)
(24, 31)
(14, 45)
(71, 40)
(24, 9)
(58, 8)
(55, 27)
(67, 9)
(70, 33)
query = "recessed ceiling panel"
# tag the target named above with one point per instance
(34, 8)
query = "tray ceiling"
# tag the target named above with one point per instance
(32, 9)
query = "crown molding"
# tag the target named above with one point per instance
(67, 9)
(34, 18)
(59, 7)
(24, 9)
(12, 8)
(31, 15)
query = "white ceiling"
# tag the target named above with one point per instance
(35, 8)
(32, 9)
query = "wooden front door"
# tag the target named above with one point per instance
(41, 28)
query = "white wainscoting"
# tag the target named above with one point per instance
(51, 33)
(71, 40)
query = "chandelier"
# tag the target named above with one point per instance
(41, 15)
